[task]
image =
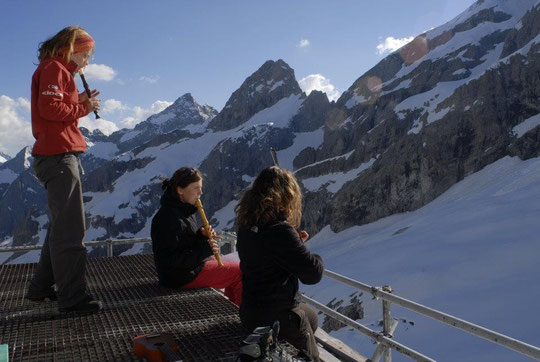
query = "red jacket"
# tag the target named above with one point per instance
(56, 109)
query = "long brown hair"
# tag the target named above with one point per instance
(181, 177)
(60, 45)
(274, 191)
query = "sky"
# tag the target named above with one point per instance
(150, 53)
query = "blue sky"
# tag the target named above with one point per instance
(150, 53)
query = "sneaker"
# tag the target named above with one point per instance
(47, 297)
(87, 305)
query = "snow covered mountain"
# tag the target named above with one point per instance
(430, 158)
(22, 201)
(440, 108)
(454, 100)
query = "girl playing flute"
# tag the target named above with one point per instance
(182, 253)
(56, 109)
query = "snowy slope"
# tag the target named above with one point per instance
(167, 157)
(4, 157)
(474, 252)
(464, 32)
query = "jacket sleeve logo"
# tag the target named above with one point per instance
(49, 93)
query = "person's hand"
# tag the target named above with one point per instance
(303, 235)
(83, 97)
(93, 104)
(214, 246)
(212, 232)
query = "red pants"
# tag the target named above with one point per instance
(228, 277)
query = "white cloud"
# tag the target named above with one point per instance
(121, 115)
(319, 82)
(112, 105)
(15, 126)
(150, 79)
(139, 114)
(105, 126)
(303, 43)
(390, 44)
(99, 72)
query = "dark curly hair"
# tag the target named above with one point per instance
(275, 191)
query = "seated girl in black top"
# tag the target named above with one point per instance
(273, 258)
(182, 254)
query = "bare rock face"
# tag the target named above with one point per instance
(313, 113)
(422, 150)
(354, 310)
(527, 146)
(272, 82)
(227, 166)
(21, 199)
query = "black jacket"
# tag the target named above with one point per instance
(272, 259)
(180, 250)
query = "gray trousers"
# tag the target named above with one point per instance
(63, 256)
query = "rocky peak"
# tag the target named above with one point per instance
(93, 136)
(273, 81)
(184, 111)
(313, 113)
(21, 162)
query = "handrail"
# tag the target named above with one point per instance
(226, 238)
(109, 243)
(377, 292)
(376, 336)
(492, 336)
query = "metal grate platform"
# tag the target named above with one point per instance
(204, 323)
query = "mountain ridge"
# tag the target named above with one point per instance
(402, 134)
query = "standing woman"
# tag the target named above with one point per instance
(273, 258)
(56, 109)
(182, 253)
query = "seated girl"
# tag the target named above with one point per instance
(182, 253)
(273, 258)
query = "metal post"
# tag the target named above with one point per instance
(109, 247)
(387, 321)
(389, 326)
(376, 336)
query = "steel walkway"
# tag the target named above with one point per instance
(204, 323)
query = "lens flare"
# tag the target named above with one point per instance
(415, 50)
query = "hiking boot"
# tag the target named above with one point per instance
(87, 305)
(50, 296)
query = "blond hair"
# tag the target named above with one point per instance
(61, 45)
(274, 193)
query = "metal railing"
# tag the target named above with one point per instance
(109, 243)
(226, 238)
(384, 339)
